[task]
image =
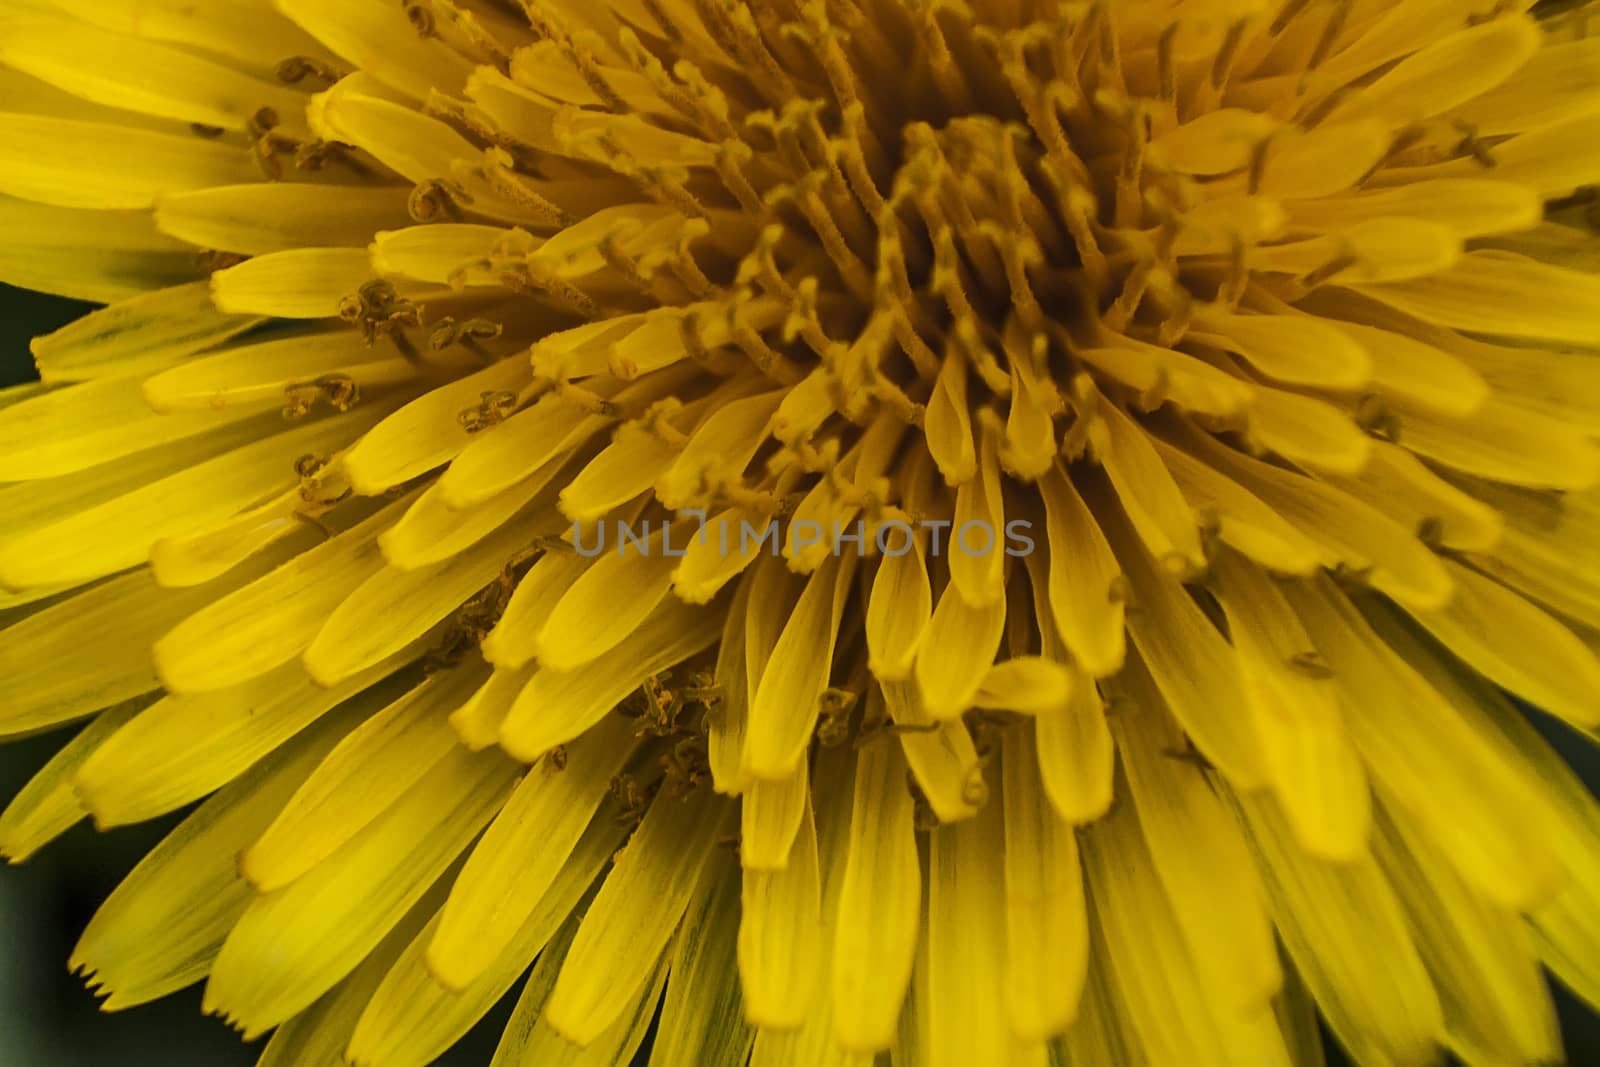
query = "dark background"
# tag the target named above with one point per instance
(48, 1018)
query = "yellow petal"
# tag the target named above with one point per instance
(721, 448)
(788, 698)
(1083, 577)
(260, 218)
(99, 256)
(1519, 647)
(319, 1036)
(702, 1017)
(1150, 964)
(120, 533)
(1398, 484)
(142, 75)
(626, 468)
(949, 422)
(304, 283)
(781, 948)
(514, 640)
(1309, 433)
(368, 771)
(1491, 991)
(478, 719)
(964, 1013)
(958, 649)
(1029, 684)
(1387, 555)
(609, 600)
(1500, 293)
(1214, 143)
(880, 900)
(523, 853)
(530, 1041)
(1244, 521)
(64, 431)
(160, 930)
(292, 946)
(976, 553)
(1471, 208)
(941, 755)
(557, 706)
(1198, 855)
(770, 813)
(634, 915)
(1149, 496)
(1348, 938)
(393, 608)
(411, 1018)
(427, 432)
(811, 1043)
(1047, 936)
(1428, 761)
(1313, 765)
(47, 679)
(376, 38)
(93, 165)
(270, 621)
(1507, 444)
(137, 335)
(1424, 375)
(1192, 665)
(182, 747)
(898, 610)
(501, 455)
(1296, 349)
(47, 806)
(727, 721)
(1448, 72)
(431, 532)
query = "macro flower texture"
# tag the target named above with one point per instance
(1275, 323)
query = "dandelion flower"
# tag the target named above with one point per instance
(1168, 431)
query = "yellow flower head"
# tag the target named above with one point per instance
(997, 531)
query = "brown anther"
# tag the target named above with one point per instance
(299, 399)
(313, 471)
(310, 465)
(1312, 665)
(340, 390)
(377, 309)
(469, 334)
(686, 765)
(1430, 531)
(833, 716)
(1372, 414)
(296, 69)
(494, 407)
(435, 199)
(314, 156)
(422, 19)
(1473, 145)
(557, 758)
(635, 799)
